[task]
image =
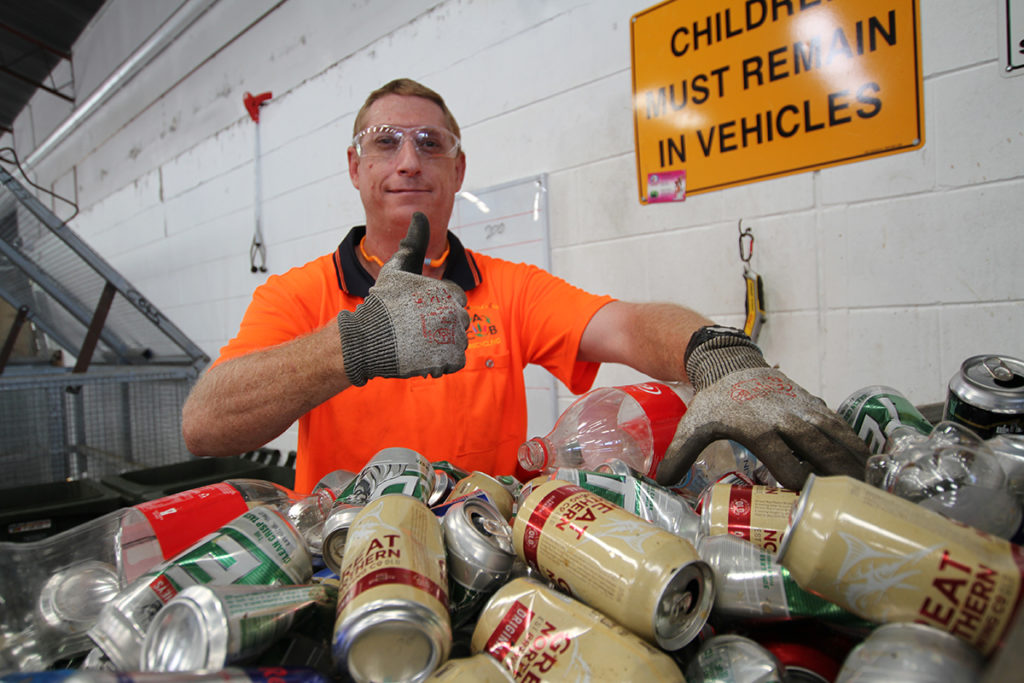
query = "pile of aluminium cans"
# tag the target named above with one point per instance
(410, 570)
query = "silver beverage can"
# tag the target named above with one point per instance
(259, 547)
(391, 470)
(211, 627)
(732, 658)
(907, 651)
(392, 622)
(987, 395)
(335, 533)
(750, 586)
(640, 495)
(648, 579)
(480, 554)
(444, 482)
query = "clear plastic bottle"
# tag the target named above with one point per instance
(633, 423)
(951, 471)
(53, 589)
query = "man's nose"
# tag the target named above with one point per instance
(407, 157)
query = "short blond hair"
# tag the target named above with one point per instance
(408, 88)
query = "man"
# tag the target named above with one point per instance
(367, 351)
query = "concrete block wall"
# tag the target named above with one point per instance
(888, 271)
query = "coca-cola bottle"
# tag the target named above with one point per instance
(53, 589)
(633, 423)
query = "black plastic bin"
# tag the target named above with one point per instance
(35, 512)
(139, 486)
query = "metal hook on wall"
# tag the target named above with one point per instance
(754, 302)
(746, 250)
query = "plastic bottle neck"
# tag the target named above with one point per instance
(533, 454)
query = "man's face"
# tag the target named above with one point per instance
(392, 188)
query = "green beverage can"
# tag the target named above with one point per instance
(876, 412)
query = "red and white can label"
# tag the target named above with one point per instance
(394, 575)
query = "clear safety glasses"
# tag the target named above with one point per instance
(385, 141)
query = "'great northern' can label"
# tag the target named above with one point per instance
(887, 559)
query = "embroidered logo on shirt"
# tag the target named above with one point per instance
(483, 328)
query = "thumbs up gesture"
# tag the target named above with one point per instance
(409, 325)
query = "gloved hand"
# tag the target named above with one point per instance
(409, 325)
(739, 397)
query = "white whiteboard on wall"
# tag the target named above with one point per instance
(510, 221)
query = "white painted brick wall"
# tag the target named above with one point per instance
(888, 271)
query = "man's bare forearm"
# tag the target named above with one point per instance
(649, 337)
(245, 402)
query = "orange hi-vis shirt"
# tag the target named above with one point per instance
(475, 418)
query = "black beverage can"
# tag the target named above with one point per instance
(987, 395)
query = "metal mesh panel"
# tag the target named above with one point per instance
(91, 425)
(47, 268)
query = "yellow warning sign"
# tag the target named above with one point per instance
(736, 91)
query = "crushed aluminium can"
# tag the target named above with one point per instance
(911, 652)
(887, 559)
(540, 634)
(335, 533)
(392, 621)
(259, 547)
(758, 514)
(496, 492)
(211, 627)
(987, 395)
(732, 658)
(877, 411)
(480, 554)
(640, 495)
(391, 470)
(648, 579)
(751, 587)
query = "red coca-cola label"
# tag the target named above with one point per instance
(392, 575)
(510, 629)
(181, 519)
(663, 408)
(539, 517)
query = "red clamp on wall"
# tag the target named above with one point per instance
(253, 102)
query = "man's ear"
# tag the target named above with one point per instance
(353, 167)
(460, 169)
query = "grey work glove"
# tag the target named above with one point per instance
(739, 397)
(409, 325)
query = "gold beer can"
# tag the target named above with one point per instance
(648, 579)
(496, 492)
(539, 634)
(479, 668)
(392, 621)
(758, 514)
(887, 559)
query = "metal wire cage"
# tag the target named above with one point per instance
(61, 427)
(119, 407)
